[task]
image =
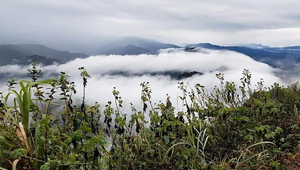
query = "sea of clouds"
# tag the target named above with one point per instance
(101, 83)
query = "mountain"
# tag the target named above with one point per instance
(51, 53)
(254, 46)
(9, 53)
(28, 53)
(128, 45)
(280, 57)
(173, 74)
(27, 60)
(288, 49)
(127, 50)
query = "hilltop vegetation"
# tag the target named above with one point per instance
(232, 127)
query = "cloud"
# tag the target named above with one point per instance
(208, 62)
(65, 24)
(203, 61)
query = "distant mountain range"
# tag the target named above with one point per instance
(24, 54)
(133, 46)
(279, 57)
(51, 53)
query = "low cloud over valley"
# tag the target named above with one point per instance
(138, 69)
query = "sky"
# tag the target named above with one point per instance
(75, 24)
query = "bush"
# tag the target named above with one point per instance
(230, 128)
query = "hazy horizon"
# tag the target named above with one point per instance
(79, 26)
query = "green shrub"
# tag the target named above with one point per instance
(233, 127)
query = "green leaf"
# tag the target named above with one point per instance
(18, 153)
(46, 166)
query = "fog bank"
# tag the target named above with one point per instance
(101, 83)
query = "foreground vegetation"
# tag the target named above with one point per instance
(233, 127)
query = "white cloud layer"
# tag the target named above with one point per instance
(208, 62)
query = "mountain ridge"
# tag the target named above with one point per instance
(279, 57)
(137, 46)
(50, 52)
(28, 53)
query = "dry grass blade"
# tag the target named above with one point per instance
(22, 136)
(14, 165)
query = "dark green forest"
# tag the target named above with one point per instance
(235, 126)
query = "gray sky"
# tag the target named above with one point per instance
(88, 23)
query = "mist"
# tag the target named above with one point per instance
(101, 83)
